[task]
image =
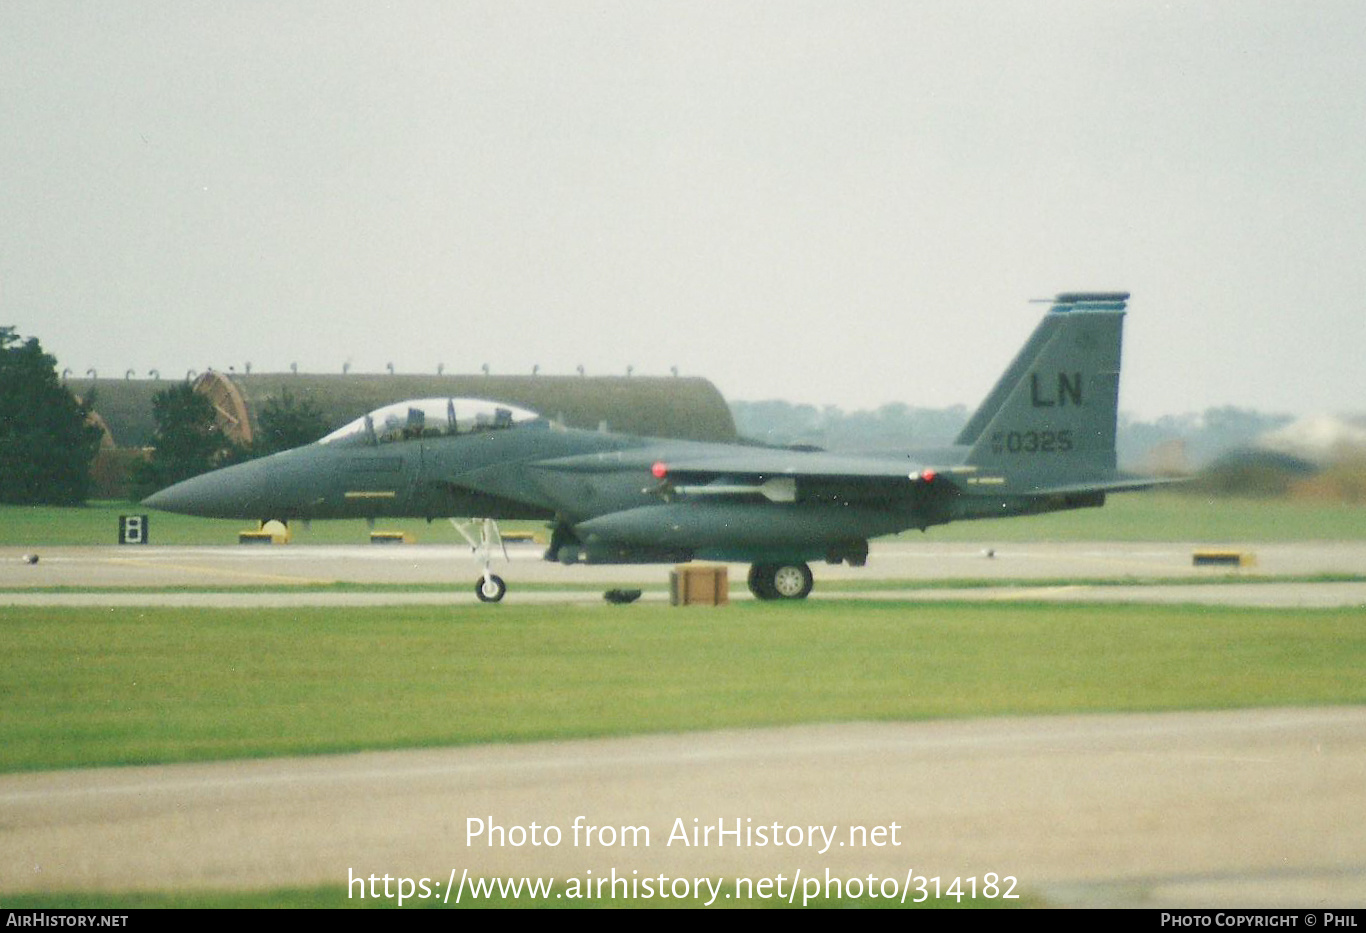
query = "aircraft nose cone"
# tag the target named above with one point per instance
(257, 489)
(216, 494)
(170, 499)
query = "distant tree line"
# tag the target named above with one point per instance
(892, 426)
(1203, 437)
(47, 442)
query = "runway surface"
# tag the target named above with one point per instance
(1245, 808)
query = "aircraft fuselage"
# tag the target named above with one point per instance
(1042, 441)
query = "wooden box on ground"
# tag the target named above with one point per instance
(706, 585)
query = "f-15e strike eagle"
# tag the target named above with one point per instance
(1042, 441)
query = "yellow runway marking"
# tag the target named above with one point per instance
(219, 571)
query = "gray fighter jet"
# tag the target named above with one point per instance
(1043, 441)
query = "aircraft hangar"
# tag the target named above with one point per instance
(684, 407)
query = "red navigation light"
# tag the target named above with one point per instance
(928, 475)
(660, 469)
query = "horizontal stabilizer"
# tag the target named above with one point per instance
(997, 486)
(1120, 484)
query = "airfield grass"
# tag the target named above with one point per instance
(98, 523)
(123, 686)
(1134, 517)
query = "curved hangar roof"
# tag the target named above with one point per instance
(688, 408)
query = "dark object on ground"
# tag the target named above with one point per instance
(621, 597)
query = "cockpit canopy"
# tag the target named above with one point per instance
(428, 418)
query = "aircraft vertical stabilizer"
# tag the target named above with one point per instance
(1051, 417)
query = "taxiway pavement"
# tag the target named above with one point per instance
(87, 575)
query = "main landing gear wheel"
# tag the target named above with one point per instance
(780, 581)
(490, 589)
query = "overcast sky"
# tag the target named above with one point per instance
(842, 203)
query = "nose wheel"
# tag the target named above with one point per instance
(490, 588)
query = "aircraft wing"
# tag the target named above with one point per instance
(720, 475)
(776, 473)
(709, 473)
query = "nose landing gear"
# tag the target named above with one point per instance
(490, 587)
